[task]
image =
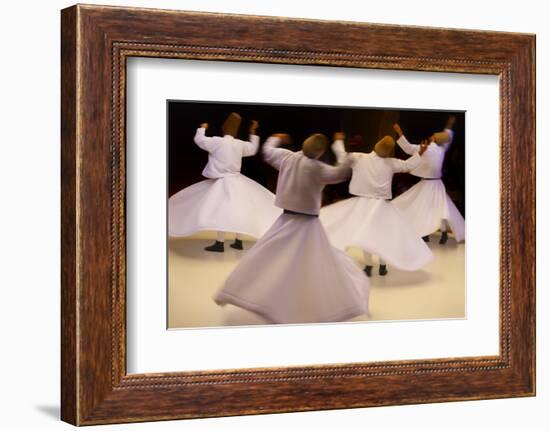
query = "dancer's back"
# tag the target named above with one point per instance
(225, 153)
(432, 160)
(301, 179)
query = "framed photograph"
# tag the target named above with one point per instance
(200, 217)
(266, 215)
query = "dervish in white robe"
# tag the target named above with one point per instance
(369, 220)
(427, 205)
(226, 201)
(293, 274)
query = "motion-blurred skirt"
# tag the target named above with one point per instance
(294, 275)
(233, 203)
(426, 205)
(378, 227)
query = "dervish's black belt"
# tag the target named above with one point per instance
(301, 214)
(431, 179)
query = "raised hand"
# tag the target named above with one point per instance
(284, 137)
(450, 122)
(204, 125)
(253, 127)
(339, 136)
(398, 129)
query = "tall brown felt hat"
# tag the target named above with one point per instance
(315, 145)
(231, 124)
(442, 138)
(385, 147)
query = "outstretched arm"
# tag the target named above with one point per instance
(203, 141)
(407, 146)
(339, 150)
(251, 146)
(406, 165)
(342, 171)
(412, 162)
(274, 155)
(334, 174)
(403, 142)
(447, 145)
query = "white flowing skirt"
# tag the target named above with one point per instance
(426, 205)
(234, 203)
(378, 227)
(294, 275)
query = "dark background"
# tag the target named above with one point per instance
(363, 128)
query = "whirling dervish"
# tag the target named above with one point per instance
(293, 274)
(226, 201)
(369, 220)
(427, 205)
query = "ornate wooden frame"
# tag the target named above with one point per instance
(95, 43)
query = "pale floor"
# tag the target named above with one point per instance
(194, 275)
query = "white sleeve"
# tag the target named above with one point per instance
(406, 165)
(339, 151)
(273, 155)
(251, 146)
(447, 145)
(203, 141)
(407, 146)
(342, 156)
(334, 174)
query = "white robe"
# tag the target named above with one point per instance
(369, 220)
(426, 205)
(227, 201)
(293, 274)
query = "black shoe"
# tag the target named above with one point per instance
(426, 238)
(217, 247)
(382, 270)
(444, 237)
(368, 270)
(238, 244)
